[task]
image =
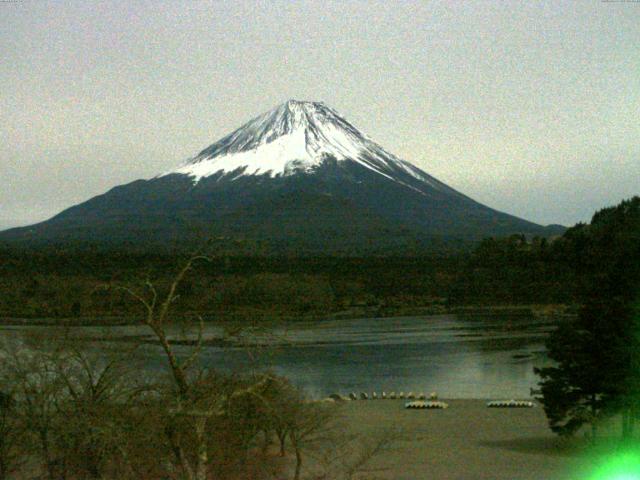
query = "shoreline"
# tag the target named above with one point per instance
(539, 311)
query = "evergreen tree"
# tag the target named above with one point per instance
(598, 354)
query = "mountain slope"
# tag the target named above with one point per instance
(298, 178)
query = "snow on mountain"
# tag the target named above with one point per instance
(295, 137)
(298, 179)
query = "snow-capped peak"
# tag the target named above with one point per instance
(292, 138)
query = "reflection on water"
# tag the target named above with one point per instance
(457, 357)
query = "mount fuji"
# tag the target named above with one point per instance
(296, 179)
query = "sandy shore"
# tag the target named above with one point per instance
(467, 441)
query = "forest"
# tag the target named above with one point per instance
(67, 283)
(71, 412)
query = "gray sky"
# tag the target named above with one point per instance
(532, 108)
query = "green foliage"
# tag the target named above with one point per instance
(598, 353)
(514, 270)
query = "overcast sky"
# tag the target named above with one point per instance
(532, 108)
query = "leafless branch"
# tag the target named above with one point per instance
(196, 351)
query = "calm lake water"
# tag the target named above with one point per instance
(458, 357)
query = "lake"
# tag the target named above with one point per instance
(487, 356)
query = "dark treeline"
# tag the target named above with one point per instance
(562, 270)
(67, 282)
(597, 353)
(514, 270)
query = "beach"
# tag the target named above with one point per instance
(466, 441)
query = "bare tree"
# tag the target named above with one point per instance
(157, 319)
(11, 439)
(308, 425)
(192, 401)
(88, 415)
(69, 401)
(99, 388)
(38, 391)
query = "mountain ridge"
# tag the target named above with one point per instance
(252, 185)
